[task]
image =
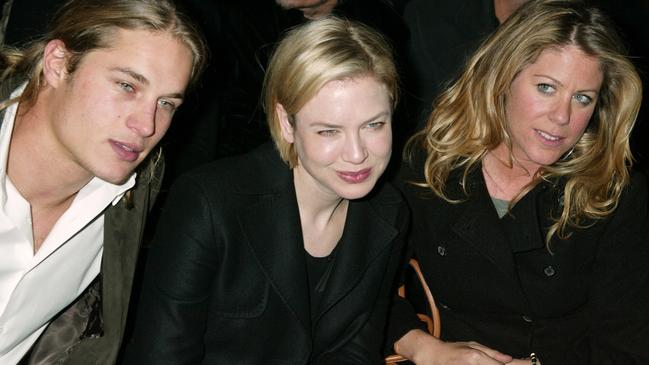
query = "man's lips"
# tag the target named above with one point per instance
(126, 151)
(355, 177)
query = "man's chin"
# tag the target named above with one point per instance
(116, 179)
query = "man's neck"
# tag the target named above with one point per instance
(42, 178)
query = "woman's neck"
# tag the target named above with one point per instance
(322, 214)
(505, 180)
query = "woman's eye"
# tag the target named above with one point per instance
(583, 99)
(327, 132)
(545, 88)
(375, 125)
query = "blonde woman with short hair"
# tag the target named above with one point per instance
(287, 255)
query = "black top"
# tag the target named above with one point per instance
(318, 271)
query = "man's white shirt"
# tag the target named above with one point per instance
(35, 287)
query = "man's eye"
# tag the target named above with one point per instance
(166, 104)
(126, 86)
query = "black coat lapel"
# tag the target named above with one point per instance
(366, 236)
(479, 225)
(272, 228)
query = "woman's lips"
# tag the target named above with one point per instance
(355, 177)
(548, 138)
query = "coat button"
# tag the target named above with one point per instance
(441, 250)
(528, 319)
(549, 271)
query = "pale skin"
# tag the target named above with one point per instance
(505, 8)
(102, 120)
(550, 104)
(312, 9)
(345, 128)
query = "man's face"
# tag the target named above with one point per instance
(312, 9)
(116, 106)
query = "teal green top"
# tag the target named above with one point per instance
(502, 206)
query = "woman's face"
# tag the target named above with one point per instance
(343, 137)
(550, 103)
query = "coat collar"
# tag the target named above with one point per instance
(367, 234)
(272, 227)
(479, 224)
(273, 232)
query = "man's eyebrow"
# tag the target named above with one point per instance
(135, 75)
(143, 80)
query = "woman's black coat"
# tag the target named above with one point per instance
(226, 281)
(495, 282)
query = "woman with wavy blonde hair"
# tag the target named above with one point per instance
(527, 221)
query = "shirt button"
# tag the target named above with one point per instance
(549, 271)
(528, 319)
(441, 250)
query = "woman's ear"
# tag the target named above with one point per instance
(55, 58)
(285, 123)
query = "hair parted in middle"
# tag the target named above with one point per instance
(87, 25)
(318, 52)
(468, 118)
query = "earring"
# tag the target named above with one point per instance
(567, 155)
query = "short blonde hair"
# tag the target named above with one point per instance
(314, 54)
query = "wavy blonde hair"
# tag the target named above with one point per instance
(468, 119)
(316, 53)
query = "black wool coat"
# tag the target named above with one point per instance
(495, 282)
(226, 280)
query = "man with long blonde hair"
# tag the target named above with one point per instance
(80, 113)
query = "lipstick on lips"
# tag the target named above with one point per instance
(125, 151)
(355, 177)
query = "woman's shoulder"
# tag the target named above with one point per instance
(385, 192)
(636, 192)
(246, 171)
(639, 179)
